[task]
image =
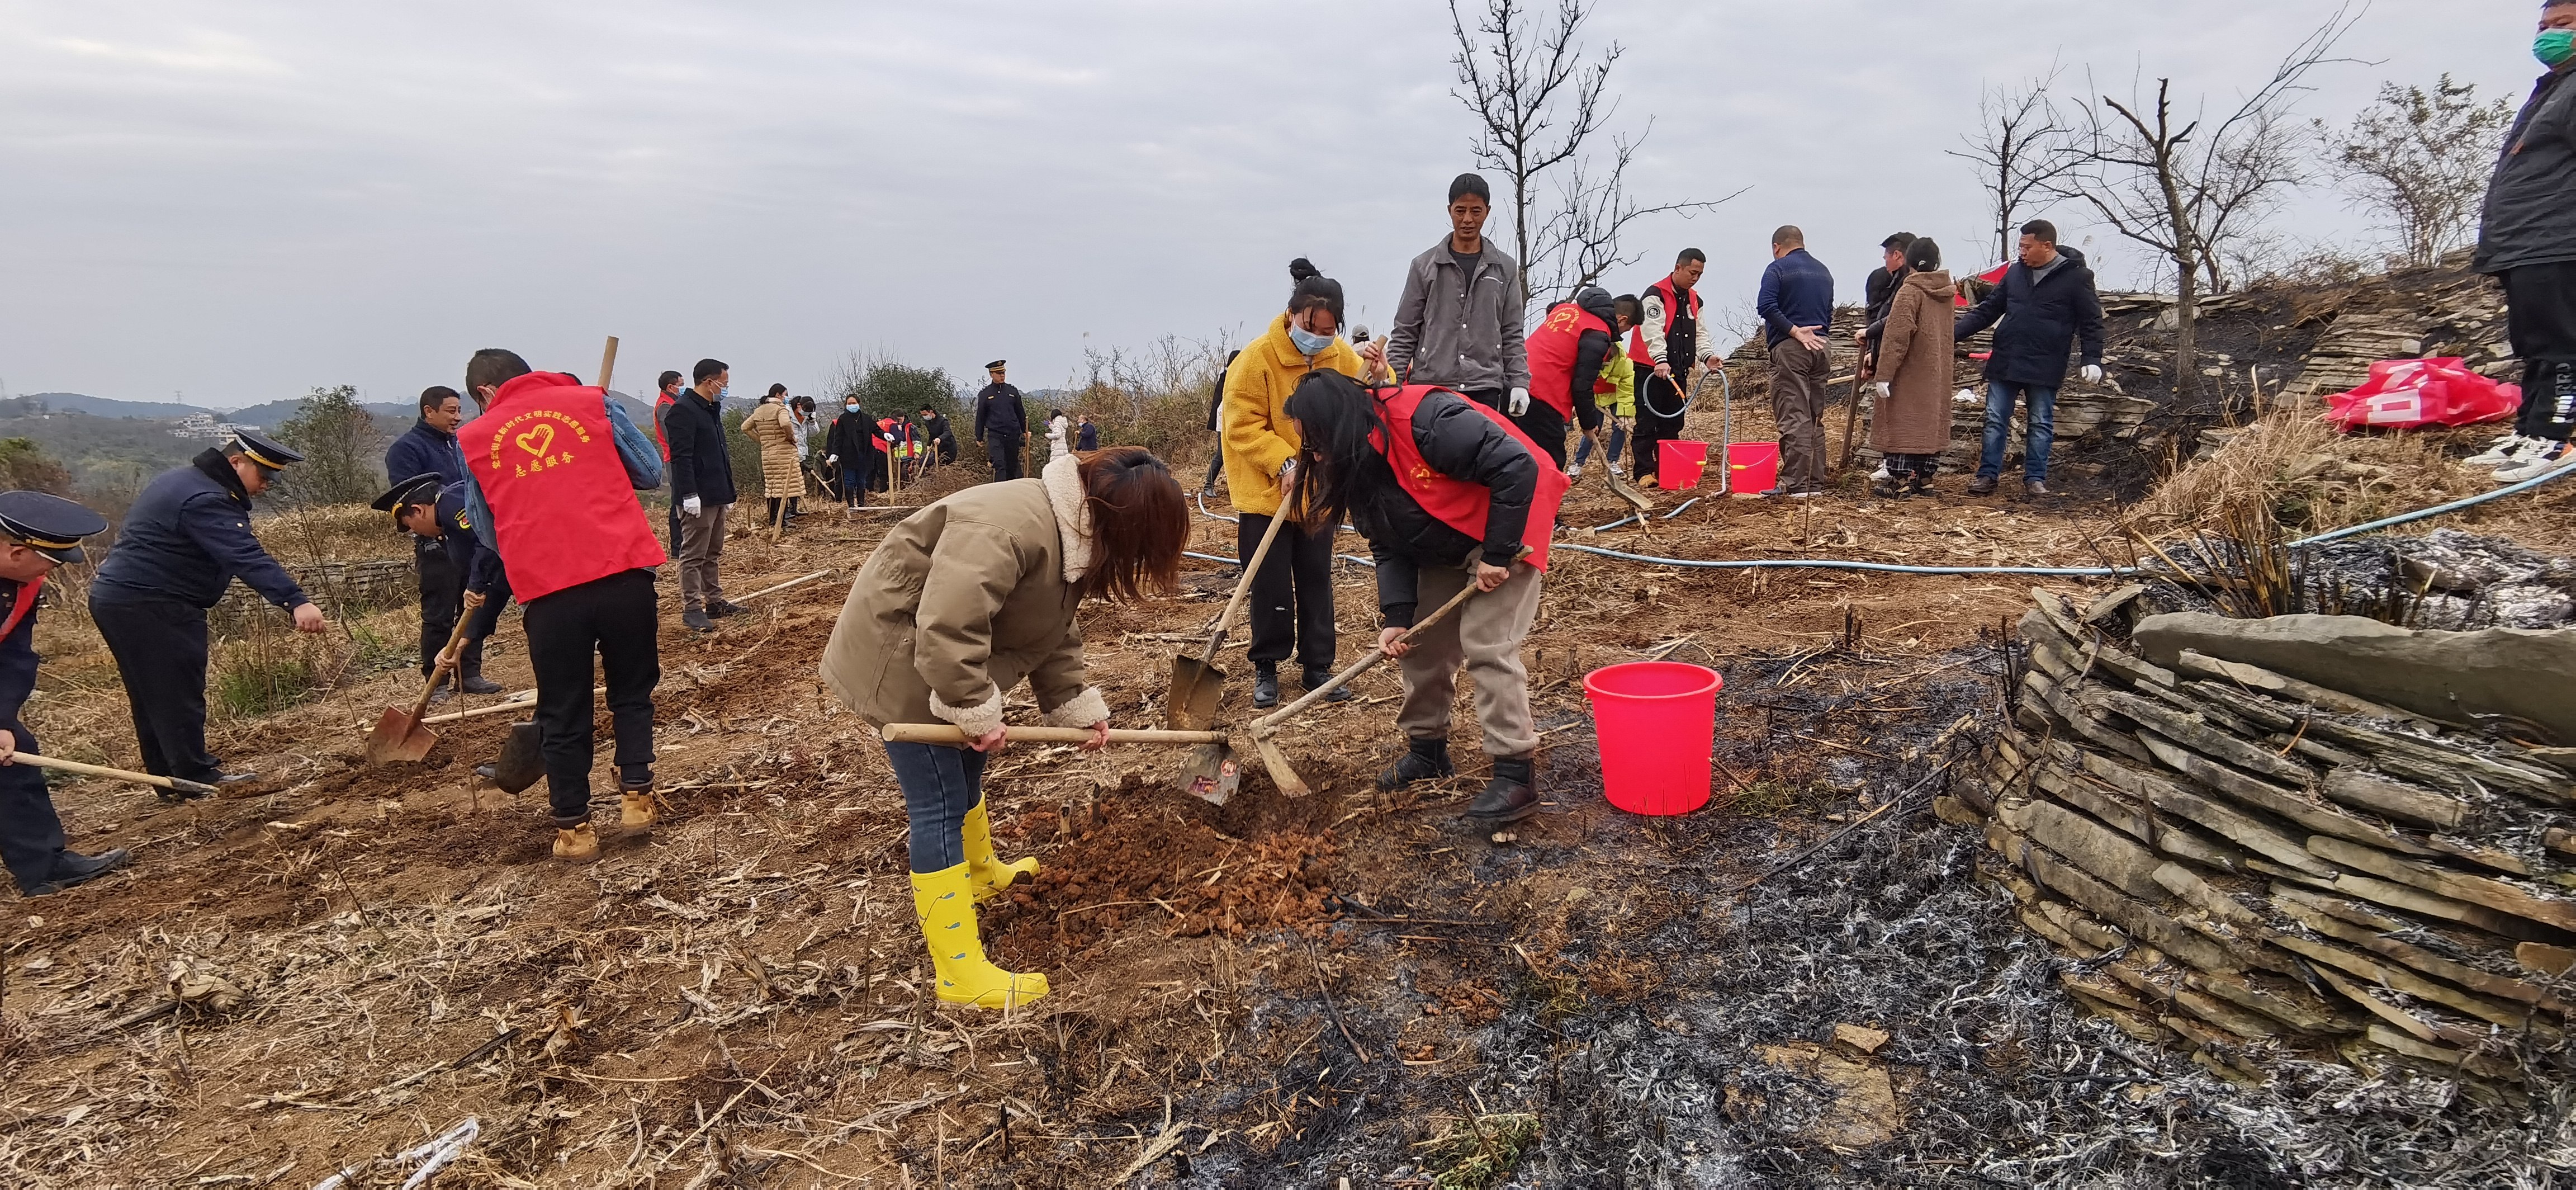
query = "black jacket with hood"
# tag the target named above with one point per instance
(1461, 441)
(2530, 215)
(2042, 318)
(1592, 351)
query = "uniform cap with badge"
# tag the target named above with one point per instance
(49, 525)
(271, 455)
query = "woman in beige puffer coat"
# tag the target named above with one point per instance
(1910, 421)
(958, 605)
(780, 477)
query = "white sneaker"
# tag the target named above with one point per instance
(1881, 475)
(1616, 469)
(2537, 463)
(2508, 449)
(1574, 472)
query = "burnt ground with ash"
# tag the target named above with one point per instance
(739, 998)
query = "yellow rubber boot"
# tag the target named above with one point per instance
(946, 904)
(988, 873)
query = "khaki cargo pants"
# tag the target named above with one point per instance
(1484, 635)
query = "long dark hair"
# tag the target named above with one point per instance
(1336, 418)
(1139, 526)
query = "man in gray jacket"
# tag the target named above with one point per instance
(2527, 239)
(1459, 322)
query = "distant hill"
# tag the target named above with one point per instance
(103, 407)
(274, 414)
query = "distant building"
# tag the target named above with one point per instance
(204, 426)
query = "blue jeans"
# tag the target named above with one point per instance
(1618, 441)
(2041, 415)
(940, 784)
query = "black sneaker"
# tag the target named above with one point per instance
(719, 609)
(1265, 686)
(697, 621)
(478, 684)
(71, 867)
(1320, 676)
(219, 780)
(1511, 796)
(1427, 761)
(1981, 486)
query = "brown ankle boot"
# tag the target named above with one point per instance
(576, 843)
(635, 809)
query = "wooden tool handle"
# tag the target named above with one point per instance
(1275, 718)
(607, 363)
(94, 770)
(942, 733)
(1243, 586)
(438, 671)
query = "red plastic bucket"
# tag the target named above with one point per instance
(1678, 462)
(1656, 721)
(1753, 466)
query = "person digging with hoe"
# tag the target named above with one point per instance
(1436, 483)
(552, 468)
(37, 533)
(434, 513)
(961, 602)
(185, 539)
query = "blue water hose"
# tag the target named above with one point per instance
(2436, 510)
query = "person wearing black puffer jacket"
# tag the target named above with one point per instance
(2047, 301)
(1448, 492)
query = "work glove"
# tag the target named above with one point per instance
(1882, 390)
(831, 458)
(690, 505)
(2092, 373)
(1519, 404)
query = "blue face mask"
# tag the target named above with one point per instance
(2554, 47)
(853, 408)
(724, 392)
(1308, 342)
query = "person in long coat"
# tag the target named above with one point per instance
(961, 603)
(780, 477)
(1910, 424)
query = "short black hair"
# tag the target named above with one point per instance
(2046, 232)
(1789, 235)
(1688, 255)
(1466, 184)
(436, 395)
(1627, 306)
(931, 410)
(778, 390)
(493, 367)
(707, 368)
(668, 379)
(1898, 242)
(1923, 255)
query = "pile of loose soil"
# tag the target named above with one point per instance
(1135, 854)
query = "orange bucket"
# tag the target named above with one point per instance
(1752, 467)
(1678, 463)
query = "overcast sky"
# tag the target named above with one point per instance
(241, 201)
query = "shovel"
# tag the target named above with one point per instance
(1619, 487)
(1197, 684)
(399, 735)
(172, 789)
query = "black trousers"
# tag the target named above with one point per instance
(442, 598)
(484, 621)
(1005, 452)
(613, 618)
(2540, 319)
(1546, 427)
(31, 834)
(1292, 594)
(160, 651)
(1654, 392)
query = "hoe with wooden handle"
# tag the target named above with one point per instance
(172, 789)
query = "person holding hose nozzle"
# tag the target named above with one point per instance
(1292, 593)
(963, 600)
(1437, 482)
(1670, 336)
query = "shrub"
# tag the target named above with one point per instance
(342, 449)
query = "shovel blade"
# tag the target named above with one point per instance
(523, 759)
(1282, 774)
(1197, 688)
(1211, 774)
(398, 738)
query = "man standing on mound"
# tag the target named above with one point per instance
(552, 468)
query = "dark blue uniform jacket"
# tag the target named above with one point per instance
(186, 538)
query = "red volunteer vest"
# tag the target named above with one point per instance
(1644, 359)
(1458, 503)
(563, 510)
(1551, 355)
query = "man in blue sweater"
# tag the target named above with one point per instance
(1797, 304)
(429, 448)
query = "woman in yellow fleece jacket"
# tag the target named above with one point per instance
(1292, 593)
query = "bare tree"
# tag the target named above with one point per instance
(2023, 145)
(2191, 191)
(1534, 94)
(2421, 160)
(1580, 241)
